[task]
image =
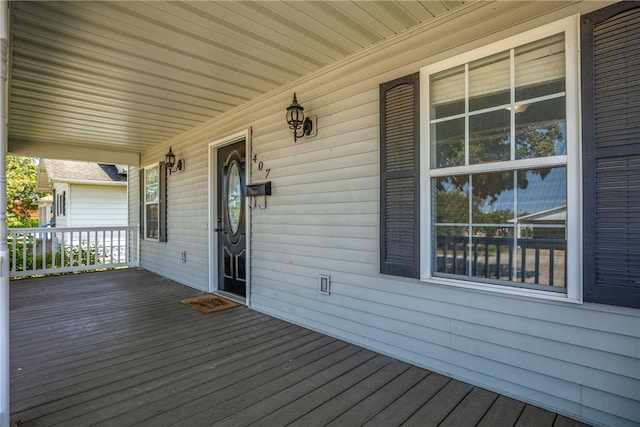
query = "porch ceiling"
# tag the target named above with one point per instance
(108, 80)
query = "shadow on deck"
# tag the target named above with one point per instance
(117, 349)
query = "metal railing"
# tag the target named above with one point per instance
(40, 251)
(536, 261)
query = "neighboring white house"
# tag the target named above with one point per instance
(84, 194)
(45, 210)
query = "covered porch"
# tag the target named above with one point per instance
(118, 348)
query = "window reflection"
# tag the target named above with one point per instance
(501, 222)
(152, 187)
(516, 231)
(452, 199)
(234, 197)
(541, 130)
(152, 202)
(490, 137)
(449, 146)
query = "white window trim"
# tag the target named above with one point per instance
(571, 27)
(144, 207)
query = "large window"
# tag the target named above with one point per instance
(500, 161)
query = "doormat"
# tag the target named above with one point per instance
(209, 303)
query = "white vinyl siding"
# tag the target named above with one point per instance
(97, 206)
(187, 224)
(88, 205)
(323, 218)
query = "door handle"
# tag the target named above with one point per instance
(219, 228)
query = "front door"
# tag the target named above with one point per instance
(231, 221)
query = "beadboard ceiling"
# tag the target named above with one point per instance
(92, 79)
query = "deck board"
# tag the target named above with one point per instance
(118, 348)
(410, 402)
(439, 406)
(535, 417)
(368, 408)
(341, 402)
(504, 412)
(472, 408)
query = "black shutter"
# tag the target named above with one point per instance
(55, 209)
(141, 201)
(611, 154)
(162, 203)
(400, 177)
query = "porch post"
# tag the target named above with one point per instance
(4, 249)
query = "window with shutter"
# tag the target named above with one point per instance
(153, 202)
(399, 177)
(611, 154)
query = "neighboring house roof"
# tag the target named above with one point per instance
(79, 172)
(45, 200)
(557, 214)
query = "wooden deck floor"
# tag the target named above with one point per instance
(117, 349)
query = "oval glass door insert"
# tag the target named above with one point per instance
(234, 197)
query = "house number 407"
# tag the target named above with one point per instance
(261, 166)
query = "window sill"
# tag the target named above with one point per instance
(489, 288)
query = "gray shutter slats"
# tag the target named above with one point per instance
(141, 201)
(618, 220)
(611, 159)
(399, 177)
(162, 202)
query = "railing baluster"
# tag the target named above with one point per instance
(455, 257)
(119, 247)
(537, 264)
(486, 259)
(465, 257)
(24, 251)
(523, 261)
(14, 249)
(103, 248)
(54, 255)
(63, 252)
(474, 271)
(552, 256)
(498, 251)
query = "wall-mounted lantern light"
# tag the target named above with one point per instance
(171, 163)
(300, 125)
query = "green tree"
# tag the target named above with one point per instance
(22, 198)
(532, 141)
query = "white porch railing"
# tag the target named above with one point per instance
(36, 251)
